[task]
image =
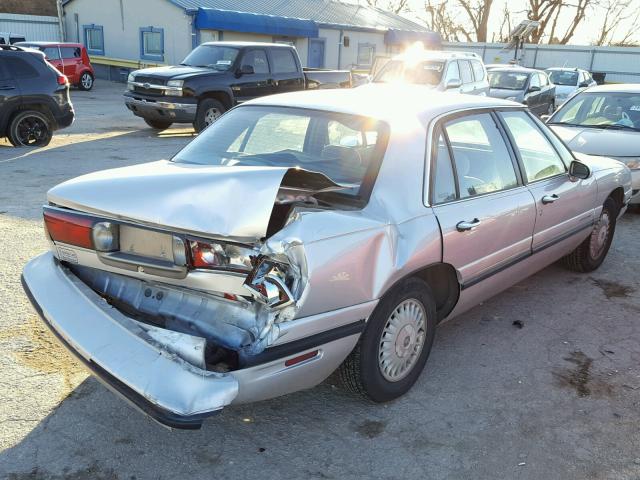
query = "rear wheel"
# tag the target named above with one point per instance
(30, 128)
(86, 81)
(209, 110)
(395, 345)
(158, 124)
(592, 252)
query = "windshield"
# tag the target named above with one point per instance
(421, 73)
(560, 77)
(507, 80)
(346, 148)
(212, 56)
(613, 109)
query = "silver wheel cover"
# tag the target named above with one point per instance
(402, 340)
(211, 115)
(600, 235)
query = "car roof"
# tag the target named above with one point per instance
(564, 69)
(437, 55)
(49, 44)
(248, 44)
(386, 102)
(517, 69)
(616, 88)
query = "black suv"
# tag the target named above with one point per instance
(34, 97)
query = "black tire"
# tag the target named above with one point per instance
(30, 128)
(86, 81)
(591, 253)
(361, 373)
(158, 124)
(207, 108)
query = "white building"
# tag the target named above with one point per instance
(126, 34)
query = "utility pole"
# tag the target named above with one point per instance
(61, 20)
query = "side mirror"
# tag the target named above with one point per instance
(453, 83)
(545, 118)
(245, 70)
(534, 88)
(579, 170)
(583, 85)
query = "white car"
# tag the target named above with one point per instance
(569, 81)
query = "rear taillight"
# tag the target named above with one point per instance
(69, 228)
(62, 79)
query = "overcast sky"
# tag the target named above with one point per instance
(585, 34)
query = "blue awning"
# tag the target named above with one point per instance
(213, 19)
(401, 37)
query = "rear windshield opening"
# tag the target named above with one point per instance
(346, 148)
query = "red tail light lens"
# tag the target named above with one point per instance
(69, 228)
(62, 79)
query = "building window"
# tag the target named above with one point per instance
(94, 39)
(152, 43)
(366, 54)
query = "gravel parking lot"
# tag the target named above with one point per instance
(555, 395)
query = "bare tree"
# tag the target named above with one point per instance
(395, 6)
(617, 12)
(443, 17)
(548, 14)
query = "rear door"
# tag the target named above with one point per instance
(485, 213)
(9, 91)
(564, 205)
(286, 71)
(72, 62)
(256, 84)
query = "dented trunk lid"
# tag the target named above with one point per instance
(229, 201)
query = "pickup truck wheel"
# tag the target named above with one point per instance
(592, 252)
(209, 110)
(158, 124)
(86, 81)
(395, 345)
(30, 128)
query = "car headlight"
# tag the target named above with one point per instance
(175, 83)
(632, 162)
(131, 78)
(174, 87)
(214, 255)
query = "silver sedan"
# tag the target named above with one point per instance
(308, 232)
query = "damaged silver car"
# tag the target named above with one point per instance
(308, 232)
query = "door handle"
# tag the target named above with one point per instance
(464, 226)
(549, 198)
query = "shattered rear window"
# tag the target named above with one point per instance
(346, 148)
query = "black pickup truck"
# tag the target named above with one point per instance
(215, 76)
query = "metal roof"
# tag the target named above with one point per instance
(329, 12)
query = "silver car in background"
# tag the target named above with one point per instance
(308, 232)
(604, 120)
(569, 81)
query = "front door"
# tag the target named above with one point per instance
(316, 53)
(485, 213)
(563, 204)
(257, 84)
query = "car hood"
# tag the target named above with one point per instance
(597, 163)
(504, 93)
(175, 72)
(596, 141)
(217, 201)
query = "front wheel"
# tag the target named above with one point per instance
(86, 81)
(158, 124)
(209, 110)
(395, 345)
(30, 129)
(591, 253)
